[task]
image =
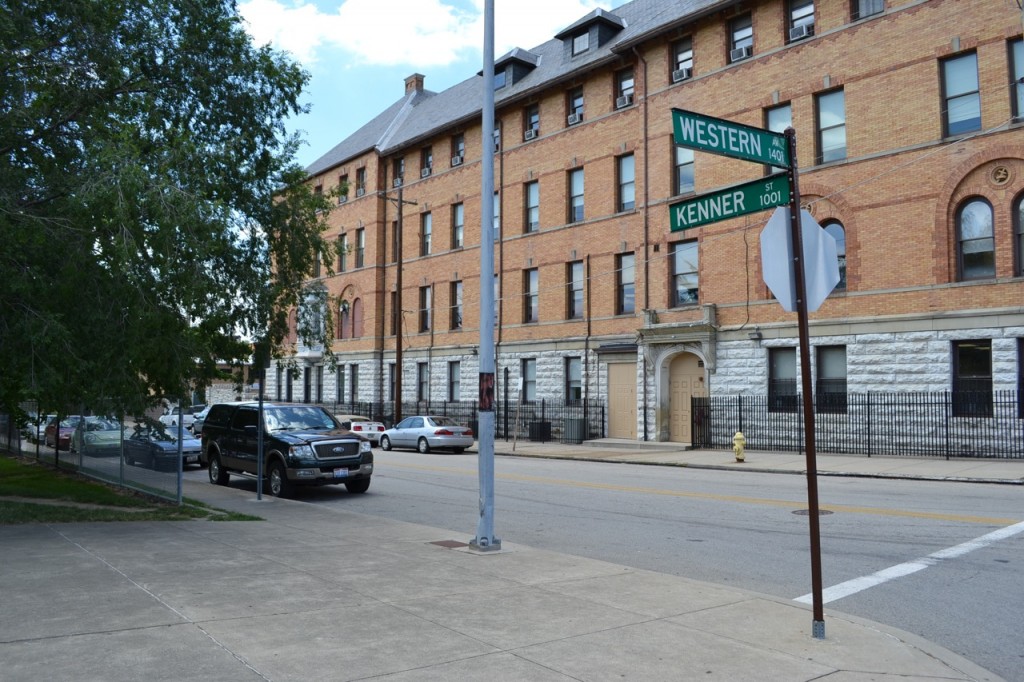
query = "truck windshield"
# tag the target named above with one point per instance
(297, 418)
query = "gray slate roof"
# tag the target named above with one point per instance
(418, 116)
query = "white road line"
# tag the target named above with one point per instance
(885, 575)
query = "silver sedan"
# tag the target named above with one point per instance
(426, 433)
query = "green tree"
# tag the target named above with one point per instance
(153, 219)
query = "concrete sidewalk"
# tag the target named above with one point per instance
(327, 593)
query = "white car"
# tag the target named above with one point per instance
(363, 426)
(174, 414)
(426, 433)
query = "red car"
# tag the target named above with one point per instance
(59, 436)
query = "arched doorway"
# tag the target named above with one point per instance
(686, 380)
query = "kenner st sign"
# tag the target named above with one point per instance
(749, 197)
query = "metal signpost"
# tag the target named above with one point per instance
(735, 140)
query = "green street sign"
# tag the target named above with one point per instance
(718, 136)
(749, 197)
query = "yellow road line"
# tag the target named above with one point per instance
(523, 478)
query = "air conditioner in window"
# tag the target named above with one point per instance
(425, 172)
(623, 101)
(740, 53)
(456, 161)
(342, 199)
(574, 119)
(529, 134)
(801, 32)
(360, 191)
(681, 75)
(397, 182)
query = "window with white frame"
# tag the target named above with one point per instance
(801, 19)
(528, 369)
(777, 119)
(426, 233)
(976, 256)
(624, 88)
(360, 247)
(458, 225)
(682, 59)
(835, 228)
(454, 381)
(831, 110)
(422, 381)
(455, 321)
(531, 210)
(574, 290)
(685, 273)
(683, 170)
(741, 38)
(576, 195)
(626, 172)
(573, 380)
(866, 8)
(343, 249)
(575, 105)
(531, 121)
(425, 305)
(531, 295)
(625, 289)
(961, 96)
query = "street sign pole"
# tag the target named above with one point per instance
(818, 625)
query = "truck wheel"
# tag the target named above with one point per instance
(280, 486)
(359, 486)
(217, 475)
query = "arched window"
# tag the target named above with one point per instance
(357, 318)
(835, 228)
(1018, 235)
(344, 320)
(976, 252)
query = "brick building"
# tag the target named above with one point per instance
(911, 154)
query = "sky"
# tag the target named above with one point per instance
(359, 52)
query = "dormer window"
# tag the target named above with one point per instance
(580, 43)
(499, 79)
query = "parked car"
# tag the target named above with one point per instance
(35, 429)
(364, 426)
(197, 420)
(97, 437)
(426, 433)
(302, 445)
(58, 435)
(174, 414)
(155, 447)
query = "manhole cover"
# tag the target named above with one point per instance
(807, 512)
(450, 544)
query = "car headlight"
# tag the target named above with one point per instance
(364, 446)
(90, 438)
(305, 451)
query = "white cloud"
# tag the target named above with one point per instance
(418, 33)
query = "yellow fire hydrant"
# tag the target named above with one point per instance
(739, 441)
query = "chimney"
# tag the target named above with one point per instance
(414, 83)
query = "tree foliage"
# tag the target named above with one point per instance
(153, 219)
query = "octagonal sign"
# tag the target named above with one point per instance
(821, 263)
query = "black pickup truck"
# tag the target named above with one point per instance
(302, 445)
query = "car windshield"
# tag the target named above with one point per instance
(297, 418)
(99, 424)
(70, 422)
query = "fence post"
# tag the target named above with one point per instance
(948, 408)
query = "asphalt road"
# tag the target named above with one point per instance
(749, 530)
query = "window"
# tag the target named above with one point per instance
(531, 295)
(279, 384)
(961, 99)
(684, 273)
(625, 281)
(353, 384)
(574, 290)
(835, 228)
(626, 171)
(500, 78)
(1017, 77)
(573, 380)
(531, 211)
(865, 8)
(576, 195)
(976, 246)
(782, 380)
(972, 378)
(831, 126)
(319, 380)
(575, 106)
(426, 161)
(624, 84)
(454, 381)
(360, 182)
(339, 384)
(343, 189)
(531, 121)
(307, 384)
(741, 38)
(830, 389)
(458, 148)
(1018, 235)
(425, 303)
(343, 249)
(683, 170)
(497, 216)
(426, 232)
(458, 225)
(580, 43)
(777, 119)
(422, 381)
(394, 312)
(682, 59)
(288, 395)
(357, 318)
(801, 19)
(398, 170)
(528, 368)
(455, 297)
(344, 330)
(360, 246)
(317, 260)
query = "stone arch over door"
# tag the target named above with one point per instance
(680, 374)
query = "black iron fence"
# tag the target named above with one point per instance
(948, 424)
(538, 420)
